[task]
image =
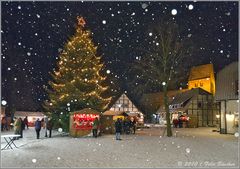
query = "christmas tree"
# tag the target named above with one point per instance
(77, 82)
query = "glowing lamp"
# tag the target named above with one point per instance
(4, 102)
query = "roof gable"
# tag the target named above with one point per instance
(123, 103)
(186, 96)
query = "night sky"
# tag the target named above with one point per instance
(33, 35)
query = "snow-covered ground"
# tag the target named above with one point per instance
(148, 148)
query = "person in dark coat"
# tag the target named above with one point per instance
(49, 127)
(133, 125)
(26, 122)
(22, 127)
(118, 129)
(38, 126)
(180, 122)
(95, 127)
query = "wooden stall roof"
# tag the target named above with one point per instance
(26, 113)
(86, 111)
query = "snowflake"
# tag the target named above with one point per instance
(38, 16)
(190, 7)
(104, 22)
(174, 12)
(144, 5)
(228, 13)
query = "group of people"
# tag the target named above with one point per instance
(20, 125)
(40, 123)
(127, 126)
(178, 122)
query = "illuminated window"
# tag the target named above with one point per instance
(201, 84)
(196, 85)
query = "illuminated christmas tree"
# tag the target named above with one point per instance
(77, 82)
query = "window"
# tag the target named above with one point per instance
(196, 85)
(199, 104)
(201, 84)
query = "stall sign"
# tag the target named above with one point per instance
(83, 121)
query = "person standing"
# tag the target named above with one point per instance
(49, 127)
(133, 125)
(17, 127)
(95, 127)
(25, 122)
(4, 121)
(118, 129)
(22, 127)
(38, 126)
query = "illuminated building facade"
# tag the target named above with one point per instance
(227, 94)
(202, 76)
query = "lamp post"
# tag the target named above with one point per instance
(46, 121)
(218, 116)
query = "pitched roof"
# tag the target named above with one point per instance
(125, 96)
(114, 113)
(200, 72)
(156, 99)
(187, 95)
(227, 82)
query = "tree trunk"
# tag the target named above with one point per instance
(169, 129)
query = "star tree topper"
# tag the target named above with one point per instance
(81, 21)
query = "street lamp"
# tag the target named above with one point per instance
(46, 121)
(4, 102)
(218, 125)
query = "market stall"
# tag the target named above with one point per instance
(81, 122)
(108, 120)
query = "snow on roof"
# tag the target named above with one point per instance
(87, 111)
(185, 96)
(26, 113)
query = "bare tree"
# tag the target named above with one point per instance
(163, 61)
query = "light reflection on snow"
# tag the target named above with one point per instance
(188, 150)
(34, 160)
